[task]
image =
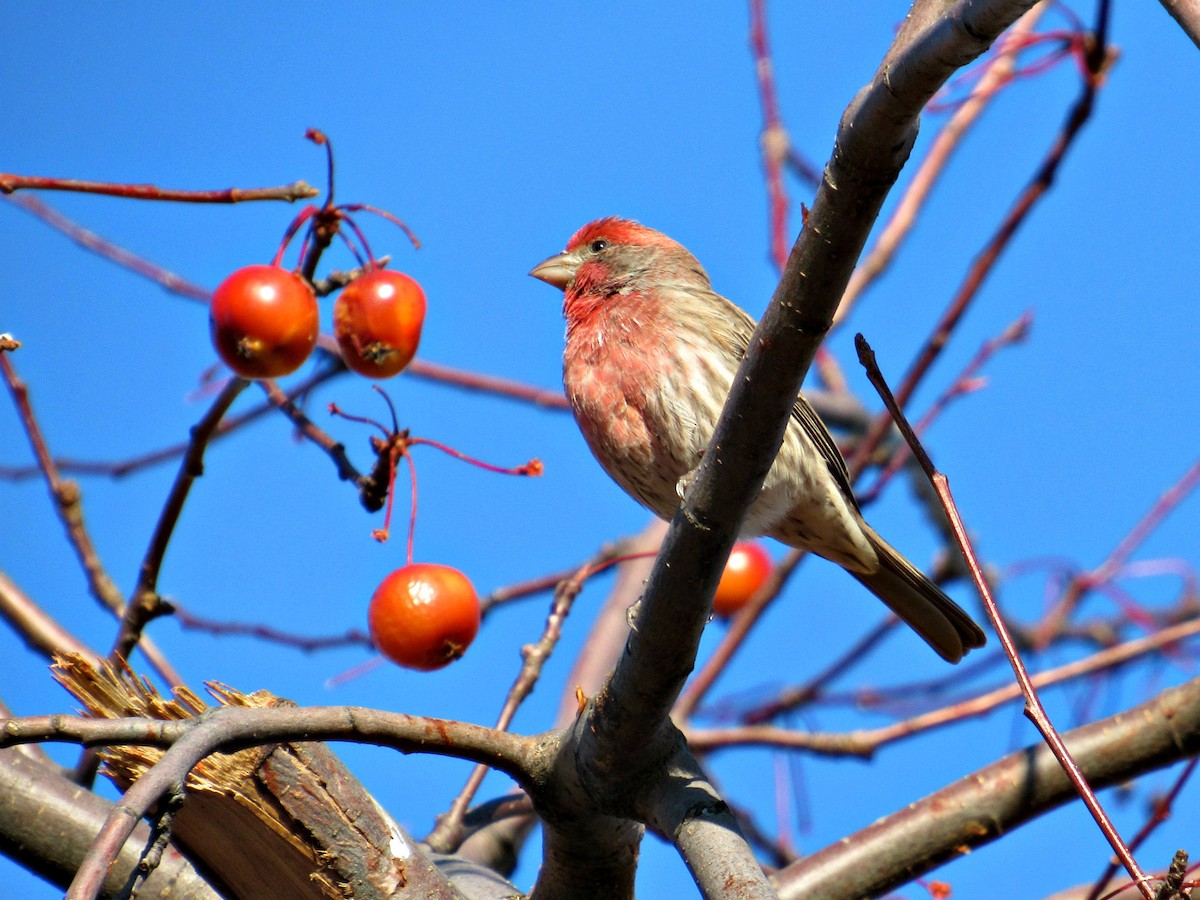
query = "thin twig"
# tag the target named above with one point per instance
(290, 193)
(533, 586)
(1033, 705)
(774, 139)
(776, 152)
(746, 618)
(1160, 812)
(864, 742)
(89, 240)
(985, 262)
(489, 384)
(162, 824)
(68, 499)
(336, 450)
(305, 643)
(121, 468)
(796, 697)
(1117, 559)
(966, 381)
(999, 72)
(68, 502)
(449, 831)
(145, 602)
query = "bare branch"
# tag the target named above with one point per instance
(865, 742)
(989, 803)
(290, 193)
(145, 603)
(1187, 14)
(68, 500)
(47, 823)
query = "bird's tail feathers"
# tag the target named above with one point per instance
(907, 591)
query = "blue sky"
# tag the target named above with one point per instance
(494, 135)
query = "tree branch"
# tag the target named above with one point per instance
(991, 802)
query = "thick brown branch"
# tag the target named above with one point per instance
(1187, 14)
(47, 824)
(991, 802)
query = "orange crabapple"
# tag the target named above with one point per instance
(264, 321)
(377, 319)
(747, 570)
(424, 616)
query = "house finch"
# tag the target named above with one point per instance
(650, 356)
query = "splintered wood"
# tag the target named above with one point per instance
(281, 820)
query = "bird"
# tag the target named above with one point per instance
(650, 355)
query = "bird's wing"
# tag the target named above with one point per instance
(741, 328)
(815, 429)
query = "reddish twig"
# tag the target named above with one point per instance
(383, 213)
(998, 73)
(1160, 812)
(298, 190)
(1033, 706)
(774, 140)
(777, 152)
(490, 384)
(1117, 559)
(967, 381)
(866, 742)
(89, 240)
(533, 468)
(986, 261)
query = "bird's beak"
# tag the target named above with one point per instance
(557, 270)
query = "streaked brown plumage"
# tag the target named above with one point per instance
(650, 355)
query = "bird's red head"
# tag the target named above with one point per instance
(612, 230)
(611, 254)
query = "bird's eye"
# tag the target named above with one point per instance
(597, 245)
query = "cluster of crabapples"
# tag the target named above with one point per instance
(264, 323)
